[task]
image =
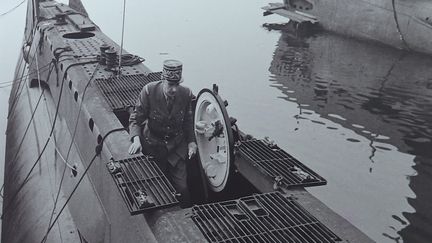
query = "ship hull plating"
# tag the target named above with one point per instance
(401, 24)
(73, 129)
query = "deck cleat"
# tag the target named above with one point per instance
(143, 200)
(301, 174)
(277, 182)
(114, 167)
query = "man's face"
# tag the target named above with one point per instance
(170, 88)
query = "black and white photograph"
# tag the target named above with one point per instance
(268, 121)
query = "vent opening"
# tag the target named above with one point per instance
(35, 83)
(91, 124)
(78, 35)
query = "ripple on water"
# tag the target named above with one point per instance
(337, 117)
(353, 140)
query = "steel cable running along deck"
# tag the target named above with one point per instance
(260, 218)
(277, 164)
(142, 184)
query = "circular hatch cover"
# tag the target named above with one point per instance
(214, 138)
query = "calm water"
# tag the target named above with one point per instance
(358, 114)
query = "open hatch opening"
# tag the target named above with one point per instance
(78, 35)
(123, 115)
(229, 165)
(233, 164)
(122, 92)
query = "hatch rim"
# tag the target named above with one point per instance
(226, 123)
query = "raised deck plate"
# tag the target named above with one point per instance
(142, 184)
(275, 163)
(268, 217)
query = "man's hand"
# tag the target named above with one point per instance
(192, 149)
(135, 146)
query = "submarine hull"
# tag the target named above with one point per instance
(398, 23)
(63, 131)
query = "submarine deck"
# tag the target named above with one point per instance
(96, 211)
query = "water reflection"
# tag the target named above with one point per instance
(379, 93)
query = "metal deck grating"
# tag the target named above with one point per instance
(142, 184)
(278, 164)
(85, 47)
(122, 92)
(154, 76)
(260, 218)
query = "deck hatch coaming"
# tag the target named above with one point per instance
(123, 91)
(141, 175)
(268, 217)
(277, 164)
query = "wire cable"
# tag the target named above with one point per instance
(48, 139)
(17, 93)
(27, 127)
(5, 86)
(20, 88)
(28, 74)
(64, 160)
(12, 9)
(98, 150)
(16, 154)
(72, 140)
(43, 68)
(122, 36)
(19, 148)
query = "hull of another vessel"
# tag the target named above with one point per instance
(401, 24)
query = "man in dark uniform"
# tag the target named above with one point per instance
(162, 125)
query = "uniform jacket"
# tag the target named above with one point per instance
(151, 120)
